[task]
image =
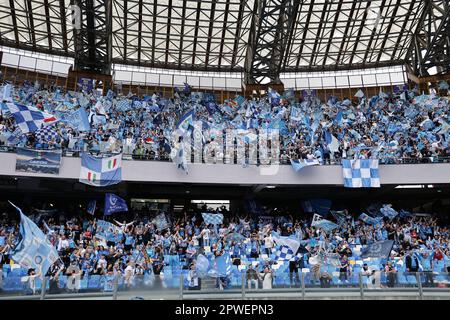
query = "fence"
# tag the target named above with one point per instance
(235, 159)
(304, 285)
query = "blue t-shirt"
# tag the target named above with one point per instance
(129, 240)
(426, 263)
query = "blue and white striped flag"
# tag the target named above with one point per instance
(212, 218)
(33, 249)
(302, 163)
(361, 173)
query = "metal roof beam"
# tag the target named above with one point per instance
(238, 30)
(224, 29)
(197, 21)
(49, 29)
(180, 53)
(210, 31)
(14, 21)
(31, 22)
(274, 21)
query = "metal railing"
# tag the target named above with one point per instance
(304, 285)
(235, 160)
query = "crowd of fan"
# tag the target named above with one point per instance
(143, 249)
(389, 127)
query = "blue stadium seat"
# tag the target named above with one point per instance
(62, 281)
(94, 282)
(402, 279)
(17, 272)
(13, 284)
(6, 269)
(84, 283)
(411, 279)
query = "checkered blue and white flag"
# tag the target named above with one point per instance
(212, 218)
(46, 134)
(123, 105)
(29, 119)
(285, 253)
(137, 104)
(361, 173)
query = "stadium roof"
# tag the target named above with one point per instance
(214, 35)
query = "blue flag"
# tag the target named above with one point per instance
(33, 249)
(325, 224)
(369, 220)
(320, 206)
(186, 121)
(79, 120)
(378, 250)
(114, 204)
(388, 211)
(222, 265)
(298, 165)
(289, 242)
(202, 264)
(92, 205)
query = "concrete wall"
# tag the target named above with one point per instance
(154, 171)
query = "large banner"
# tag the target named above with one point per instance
(108, 231)
(38, 161)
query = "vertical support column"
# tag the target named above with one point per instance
(181, 285)
(419, 282)
(361, 288)
(43, 288)
(243, 285)
(92, 23)
(303, 285)
(116, 287)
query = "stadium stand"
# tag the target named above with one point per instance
(108, 136)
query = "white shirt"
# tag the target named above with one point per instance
(129, 271)
(206, 233)
(268, 242)
(102, 263)
(267, 280)
(63, 244)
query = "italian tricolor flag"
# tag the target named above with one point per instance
(93, 176)
(111, 163)
(98, 171)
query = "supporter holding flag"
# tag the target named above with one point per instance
(33, 250)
